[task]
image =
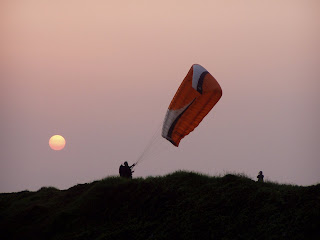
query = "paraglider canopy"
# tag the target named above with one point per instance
(197, 95)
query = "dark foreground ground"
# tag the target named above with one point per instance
(181, 205)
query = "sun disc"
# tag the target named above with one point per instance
(57, 142)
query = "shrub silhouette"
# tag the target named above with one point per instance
(181, 205)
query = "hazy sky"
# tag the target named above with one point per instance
(102, 74)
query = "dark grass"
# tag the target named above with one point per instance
(181, 205)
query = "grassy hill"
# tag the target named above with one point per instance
(181, 205)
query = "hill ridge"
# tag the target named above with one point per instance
(180, 205)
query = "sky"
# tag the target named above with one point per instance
(102, 74)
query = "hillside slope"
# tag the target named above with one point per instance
(181, 205)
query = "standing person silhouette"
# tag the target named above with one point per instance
(126, 170)
(260, 177)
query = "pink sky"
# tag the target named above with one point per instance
(102, 74)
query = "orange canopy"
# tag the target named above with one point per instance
(196, 96)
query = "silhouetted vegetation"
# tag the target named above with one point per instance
(181, 205)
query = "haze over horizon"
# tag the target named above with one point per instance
(102, 74)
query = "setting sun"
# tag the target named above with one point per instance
(57, 142)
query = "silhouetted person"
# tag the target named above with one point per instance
(126, 170)
(260, 177)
